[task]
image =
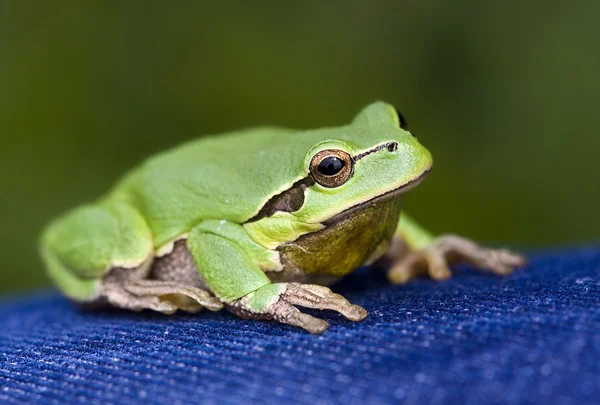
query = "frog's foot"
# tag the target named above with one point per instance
(434, 260)
(161, 296)
(277, 302)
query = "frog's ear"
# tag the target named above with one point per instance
(378, 113)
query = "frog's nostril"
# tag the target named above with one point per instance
(392, 146)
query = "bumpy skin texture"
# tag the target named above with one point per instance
(249, 203)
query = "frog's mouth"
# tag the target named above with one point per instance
(380, 198)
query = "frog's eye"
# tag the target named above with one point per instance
(402, 120)
(331, 168)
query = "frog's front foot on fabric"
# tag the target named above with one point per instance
(434, 259)
(277, 302)
(161, 296)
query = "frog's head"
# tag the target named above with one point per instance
(335, 171)
(373, 158)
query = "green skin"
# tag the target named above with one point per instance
(212, 193)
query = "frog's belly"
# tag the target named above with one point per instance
(345, 244)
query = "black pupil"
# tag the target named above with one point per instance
(331, 165)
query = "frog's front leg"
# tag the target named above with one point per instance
(415, 252)
(231, 265)
(277, 302)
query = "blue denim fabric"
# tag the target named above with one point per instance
(533, 337)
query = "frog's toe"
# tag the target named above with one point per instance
(400, 275)
(158, 305)
(319, 297)
(502, 262)
(287, 313)
(280, 311)
(437, 264)
(499, 261)
(405, 269)
(507, 258)
(183, 303)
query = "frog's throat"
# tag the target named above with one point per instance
(382, 197)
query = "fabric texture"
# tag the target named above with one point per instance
(533, 337)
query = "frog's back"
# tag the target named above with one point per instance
(227, 176)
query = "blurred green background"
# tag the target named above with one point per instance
(505, 95)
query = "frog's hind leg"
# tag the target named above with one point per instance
(113, 291)
(172, 282)
(434, 259)
(104, 254)
(136, 293)
(82, 247)
(414, 251)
